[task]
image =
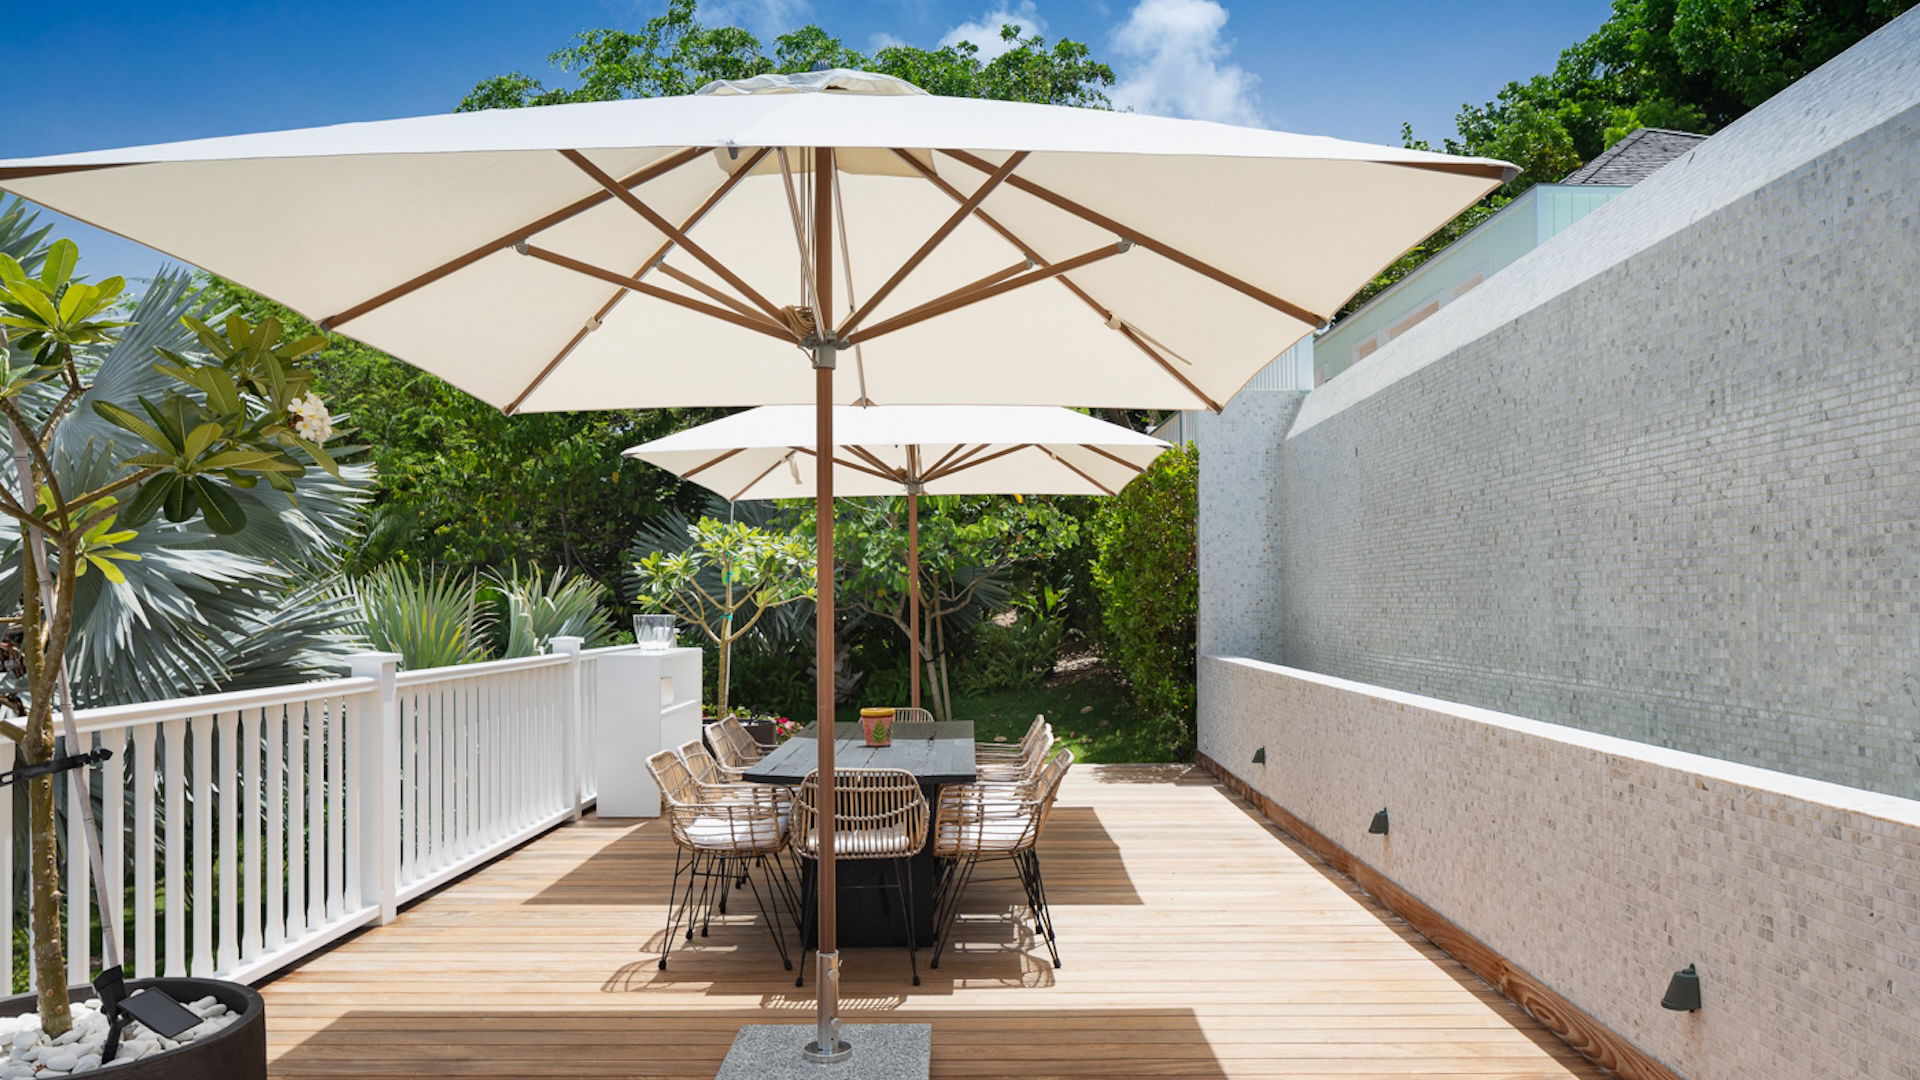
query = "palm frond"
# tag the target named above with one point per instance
(530, 609)
(198, 612)
(431, 618)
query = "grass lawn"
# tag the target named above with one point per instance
(1090, 713)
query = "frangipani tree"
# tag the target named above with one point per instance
(234, 411)
(724, 581)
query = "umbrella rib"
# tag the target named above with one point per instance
(1166, 251)
(1128, 332)
(653, 218)
(613, 277)
(718, 295)
(991, 279)
(966, 299)
(1077, 471)
(657, 169)
(763, 475)
(954, 449)
(710, 463)
(1113, 457)
(870, 458)
(964, 465)
(958, 463)
(960, 214)
(613, 301)
(1073, 287)
(837, 460)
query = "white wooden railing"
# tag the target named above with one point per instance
(246, 830)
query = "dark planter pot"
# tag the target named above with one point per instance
(238, 1052)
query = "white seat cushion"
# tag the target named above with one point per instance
(739, 833)
(888, 843)
(994, 835)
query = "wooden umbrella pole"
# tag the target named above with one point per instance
(827, 1046)
(913, 587)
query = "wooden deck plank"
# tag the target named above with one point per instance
(1197, 942)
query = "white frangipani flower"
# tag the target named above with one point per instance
(311, 421)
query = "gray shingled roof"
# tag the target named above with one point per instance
(1634, 158)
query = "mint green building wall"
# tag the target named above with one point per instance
(1538, 215)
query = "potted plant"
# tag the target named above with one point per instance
(235, 412)
(763, 726)
(877, 726)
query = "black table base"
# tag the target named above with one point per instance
(937, 754)
(869, 911)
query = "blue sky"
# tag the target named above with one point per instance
(122, 72)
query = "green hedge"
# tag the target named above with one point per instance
(1145, 574)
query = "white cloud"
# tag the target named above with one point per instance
(1175, 63)
(984, 32)
(881, 39)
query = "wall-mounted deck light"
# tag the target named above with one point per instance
(1260, 756)
(1379, 826)
(1683, 991)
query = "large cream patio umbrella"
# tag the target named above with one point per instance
(910, 450)
(742, 245)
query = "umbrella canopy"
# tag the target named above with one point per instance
(538, 258)
(836, 237)
(767, 453)
(911, 450)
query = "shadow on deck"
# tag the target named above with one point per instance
(1196, 942)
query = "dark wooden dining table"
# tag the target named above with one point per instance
(936, 754)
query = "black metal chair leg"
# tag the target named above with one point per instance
(704, 912)
(674, 903)
(768, 913)
(808, 883)
(903, 883)
(947, 911)
(1043, 915)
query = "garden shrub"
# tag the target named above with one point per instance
(1145, 575)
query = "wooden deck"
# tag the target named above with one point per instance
(1197, 942)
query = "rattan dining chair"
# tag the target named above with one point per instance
(878, 814)
(984, 822)
(742, 743)
(704, 767)
(721, 834)
(1020, 768)
(733, 748)
(1000, 751)
(912, 716)
(716, 781)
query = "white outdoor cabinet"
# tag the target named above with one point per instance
(648, 701)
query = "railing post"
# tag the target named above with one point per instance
(377, 731)
(570, 692)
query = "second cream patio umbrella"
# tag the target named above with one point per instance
(738, 246)
(910, 450)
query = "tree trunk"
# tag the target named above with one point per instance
(946, 688)
(724, 677)
(49, 955)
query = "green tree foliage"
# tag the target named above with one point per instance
(226, 414)
(973, 551)
(723, 579)
(1685, 65)
(1147, 579)
(674, 53)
